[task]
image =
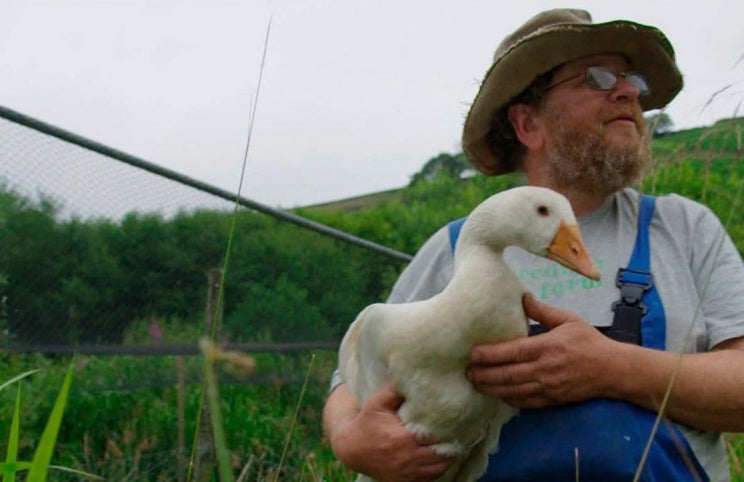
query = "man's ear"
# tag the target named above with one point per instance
(522, 118)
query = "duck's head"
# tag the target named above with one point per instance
(536, 219)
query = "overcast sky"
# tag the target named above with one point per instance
(356, 95)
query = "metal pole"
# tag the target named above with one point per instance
(94, 146)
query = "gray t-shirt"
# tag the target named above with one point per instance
(697, 270)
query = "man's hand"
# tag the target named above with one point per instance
(566, 364)
(375, 442)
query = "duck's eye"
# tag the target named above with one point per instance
(543, 211)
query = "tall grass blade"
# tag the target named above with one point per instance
(6, 468)
(231, 235)
(233, 226)
(11, 466)
(12, 454)
(215, 414)
(714, 96)
(294, 418)
(87, 475)
(9, 469)
(43, 452)
(17, 378)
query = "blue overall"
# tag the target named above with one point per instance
(607, 436)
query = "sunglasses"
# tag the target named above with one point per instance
(603, 78)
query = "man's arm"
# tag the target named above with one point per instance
(373, 441)
(574, 362)
(708, 391)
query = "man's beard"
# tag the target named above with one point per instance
(580, 159)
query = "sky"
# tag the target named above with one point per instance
(355, 96)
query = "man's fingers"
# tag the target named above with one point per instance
(510, 374)
(386, 398)
(528, 348)
(545, 314)
(513, 351)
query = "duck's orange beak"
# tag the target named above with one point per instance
(568, 249)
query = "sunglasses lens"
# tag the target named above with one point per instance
(639, 82)
(601, 78)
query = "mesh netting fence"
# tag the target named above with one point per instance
(103, 252)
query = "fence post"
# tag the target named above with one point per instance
(205, 455)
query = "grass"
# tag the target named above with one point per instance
(40, 465)
(125, 432)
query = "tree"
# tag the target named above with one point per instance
(659, 123)
(454, 167)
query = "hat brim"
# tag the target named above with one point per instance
(647, 49)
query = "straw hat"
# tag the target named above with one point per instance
(552, 38)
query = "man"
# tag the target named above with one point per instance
(563, 103)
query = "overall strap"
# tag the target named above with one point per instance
(640, 259)
(639, 315)
(454, 228)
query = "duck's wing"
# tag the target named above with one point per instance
(348, 352)
(360, 358)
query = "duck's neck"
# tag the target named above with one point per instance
(479, 266)
(485, 290)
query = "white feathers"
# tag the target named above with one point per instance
(423, 348)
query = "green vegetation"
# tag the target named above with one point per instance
(123, 428)
(74, 282)
(142, 280)
(39, 467)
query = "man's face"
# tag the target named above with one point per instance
(596, 141)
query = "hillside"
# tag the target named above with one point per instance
(356, 203)
(723, 140)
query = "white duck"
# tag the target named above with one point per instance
(423, 347)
